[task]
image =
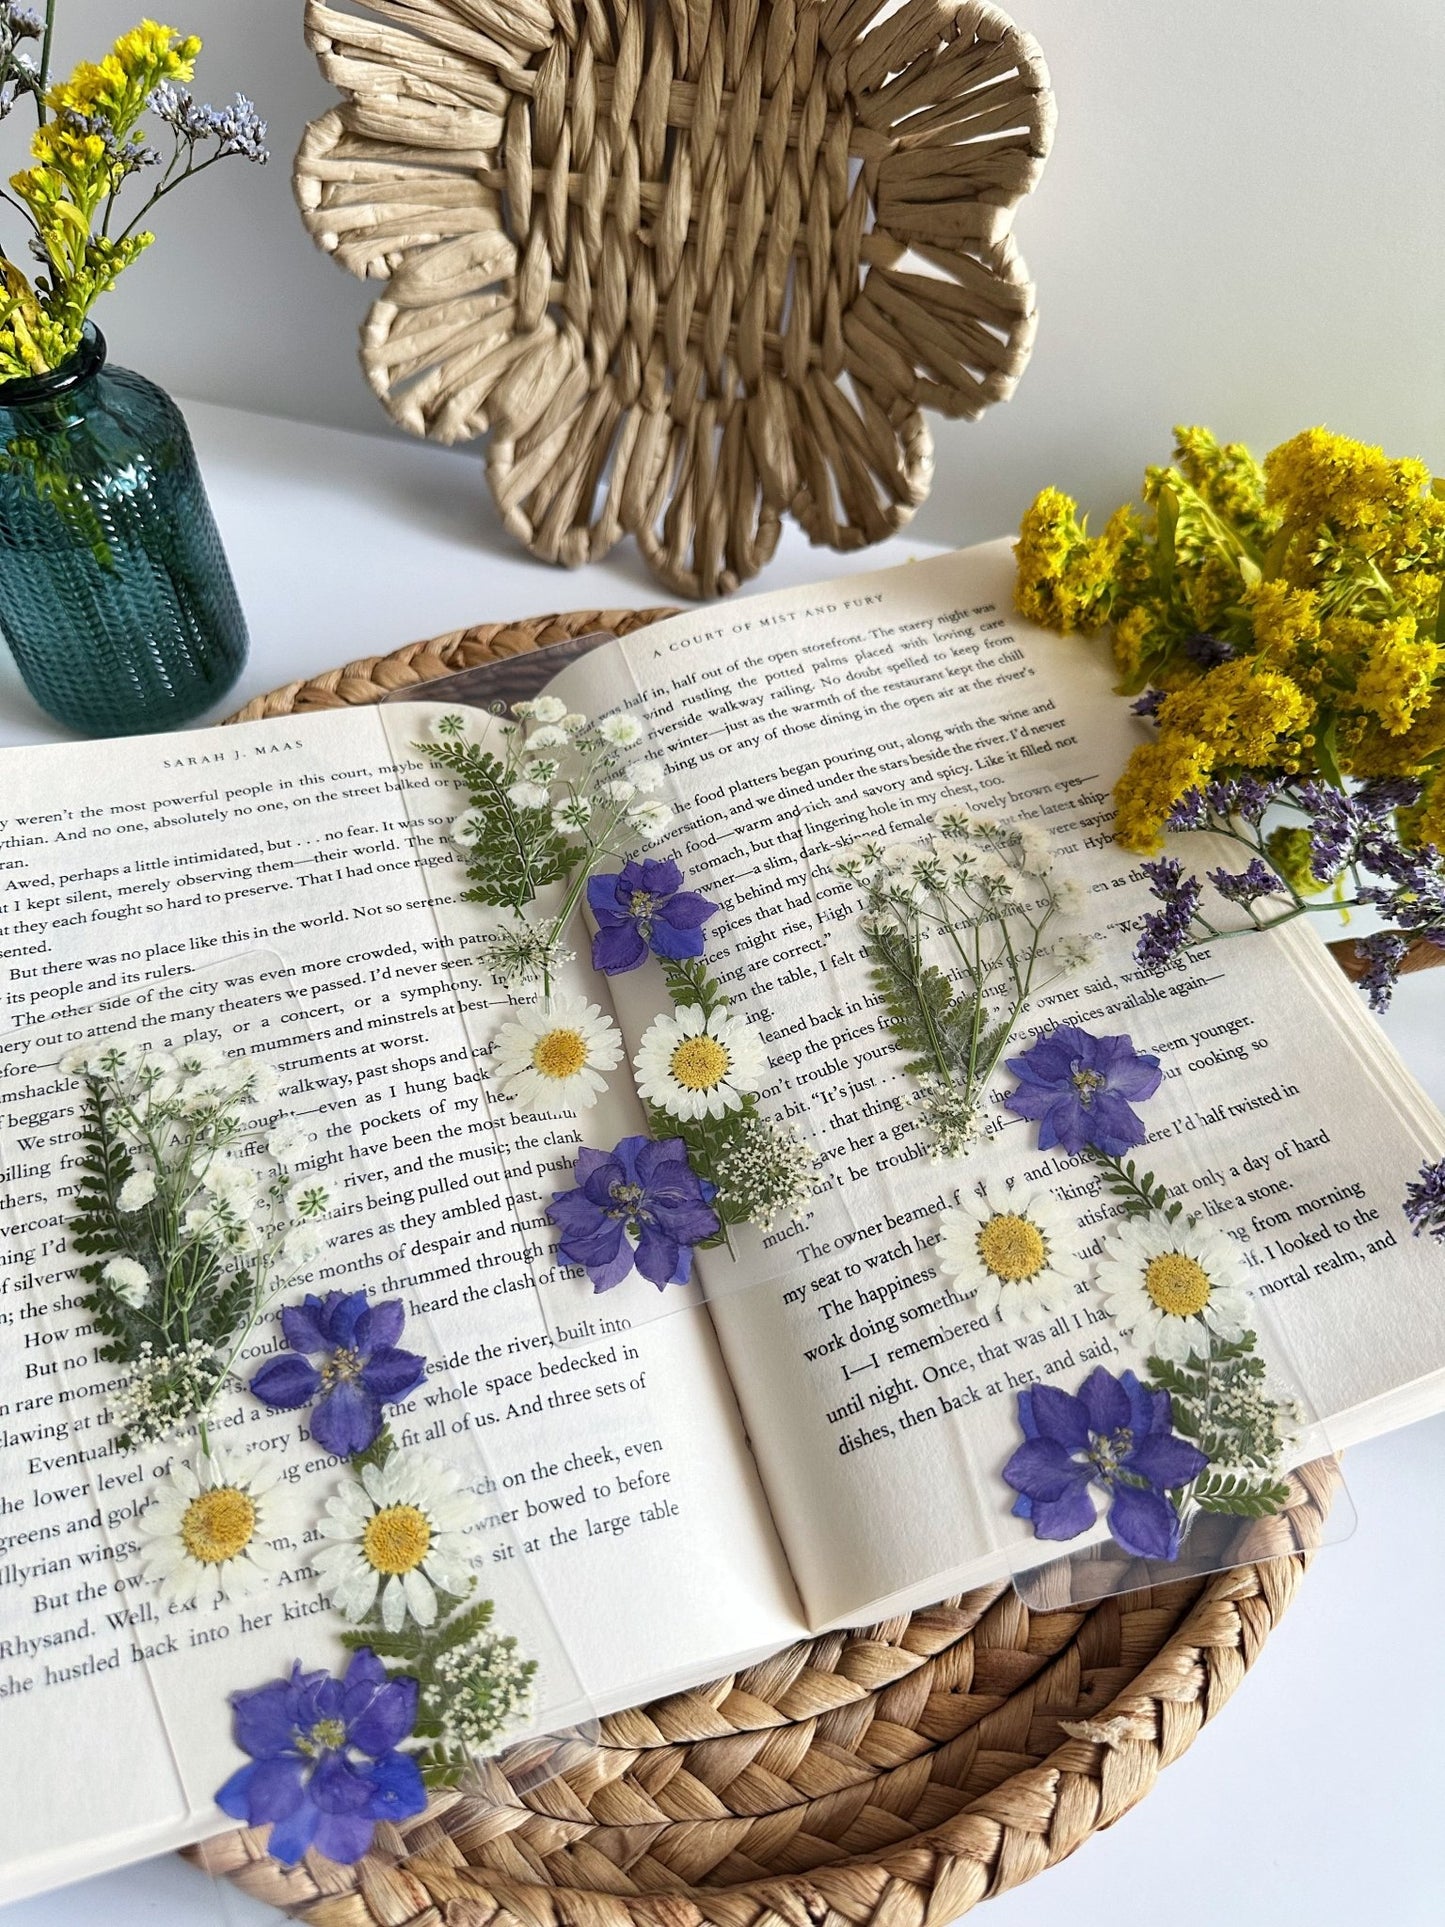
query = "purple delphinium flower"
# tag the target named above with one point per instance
(362, 1368)
(639, 1206)
(641, 908)
(1243, 886)
(1079, 1088)
(1425, 1201)
(324, 1760)
(1115, 1433)
(1165, 932)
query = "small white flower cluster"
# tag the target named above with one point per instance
(520, 954)
(983, 899)
(577, 770)
(481, 1688)
(214, 1199)
(164, 1391)
(953, 1117)
(767, 1172)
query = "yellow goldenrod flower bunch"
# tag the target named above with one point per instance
(1286, 625)
(1284, 618)
(88, 144)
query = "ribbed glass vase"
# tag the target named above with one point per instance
(115, 596)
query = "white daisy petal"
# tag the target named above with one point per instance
(692, 1065)
(552, 1058)
(1169, 1286)
(1013, 1250)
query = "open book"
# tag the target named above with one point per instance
(692, 1491)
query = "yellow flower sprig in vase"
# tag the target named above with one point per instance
(115, 595)
(1281, 628)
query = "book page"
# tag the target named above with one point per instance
(881, 1405)
(620, 1470)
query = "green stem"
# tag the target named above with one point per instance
(45, 48)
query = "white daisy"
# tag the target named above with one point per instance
(213, 1525)
(1011, 1247)
(1169, 1286)
(693, 1065)
(129, 1280)
(527, 796)
(649, 819)
(400, 1529)
(553, 1058)
(137, 1191)
(620, 731)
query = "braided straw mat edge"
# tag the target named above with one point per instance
(889, 1777)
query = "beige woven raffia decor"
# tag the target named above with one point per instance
(889, 1777)
(693, 264)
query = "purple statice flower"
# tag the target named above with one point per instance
(1188, 813)
(1425, 1201)
(1148, 704)
(1382, 795)
(324, 1760)
(1164, 933)
(1079, 1088)
(236, 129)
(1335, 824)
(1247, 797)
(1114, 1433)
(361, 1367)
(641, 908)
(1243, 886)
(1382, 955)
(639, 1206)
(1206, 651)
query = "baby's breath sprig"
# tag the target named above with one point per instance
(191, 1211)
(563, 795)
(961, 928)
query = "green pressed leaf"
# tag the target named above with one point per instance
(518, 852)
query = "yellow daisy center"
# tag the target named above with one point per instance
(1012, 1247)
(699, 1063)
(560, 1053)
(218, 1525)
(396, 1539)
(1177, 1284)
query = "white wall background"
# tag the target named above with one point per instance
(1241, 224)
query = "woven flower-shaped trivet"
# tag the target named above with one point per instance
(693, 265)
(889, 1777)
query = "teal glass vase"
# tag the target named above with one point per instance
(115, 596)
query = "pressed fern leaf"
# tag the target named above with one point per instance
(930, 1024)
(518, 852)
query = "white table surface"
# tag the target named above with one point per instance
(1316, 1800)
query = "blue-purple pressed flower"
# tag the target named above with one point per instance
(1114, 1433)
(640, 1206)
(1080, 1089)
(1425, 1201)
(641, 908)
(324, 1760)
(1149, 703)
(362, 1368)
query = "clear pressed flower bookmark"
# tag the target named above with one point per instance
(649, 1113)
(306, 1600)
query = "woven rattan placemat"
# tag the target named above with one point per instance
(889, 1777)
